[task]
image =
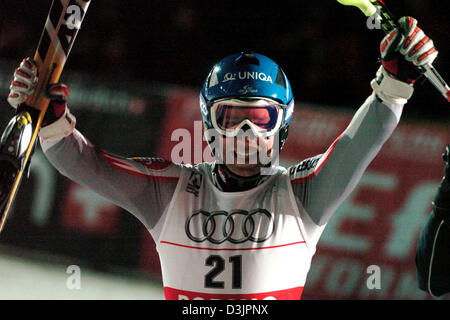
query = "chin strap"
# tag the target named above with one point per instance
(228, 181)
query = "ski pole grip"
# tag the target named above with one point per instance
(364, 5)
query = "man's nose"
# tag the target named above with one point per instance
(248, 132)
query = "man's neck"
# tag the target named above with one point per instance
(228, 181)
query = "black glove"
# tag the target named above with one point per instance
(442, 199)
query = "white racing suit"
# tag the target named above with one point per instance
(254, 244)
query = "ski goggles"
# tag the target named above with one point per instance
(263, 116)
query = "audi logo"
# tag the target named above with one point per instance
(237, 226)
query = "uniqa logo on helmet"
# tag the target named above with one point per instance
(247, 75)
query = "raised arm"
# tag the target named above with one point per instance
(142, 186)
(322, 183)
(329, 178)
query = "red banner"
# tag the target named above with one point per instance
(367, 249)
(87, 212)
(288, 294)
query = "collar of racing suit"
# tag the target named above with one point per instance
(228, 181)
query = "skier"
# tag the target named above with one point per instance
(433, 251)
(228, 229)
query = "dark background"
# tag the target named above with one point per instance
(327, 51)
(142, 47)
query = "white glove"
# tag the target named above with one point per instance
(24, 82)
(58, 122)
(402, 51)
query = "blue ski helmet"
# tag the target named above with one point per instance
(247, 75)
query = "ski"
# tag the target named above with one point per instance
(19, 138)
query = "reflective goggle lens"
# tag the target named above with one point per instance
(230, 116)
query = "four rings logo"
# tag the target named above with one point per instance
(237, 226)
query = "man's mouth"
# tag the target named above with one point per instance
(249, 155)
(244, 151)
(245, 155)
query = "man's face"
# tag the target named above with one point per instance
(245, 154)
(246, 132)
